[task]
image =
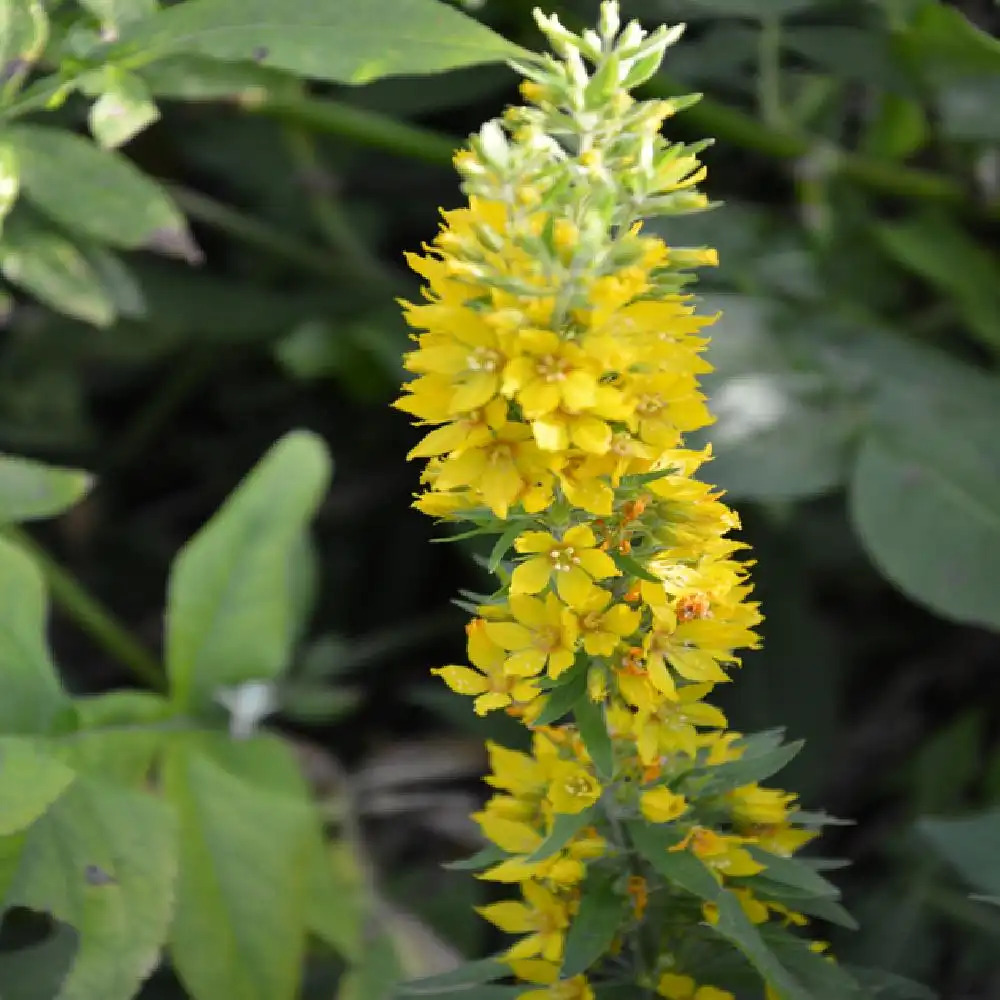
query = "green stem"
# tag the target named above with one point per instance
(90, 614)
(769, 72)
(255, 233)
(354, 255)
(368, 128)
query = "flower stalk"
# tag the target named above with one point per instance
(556, 366)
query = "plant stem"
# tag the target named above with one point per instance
(769, 72)
(90, 614)
(255, 233)
(368, 128)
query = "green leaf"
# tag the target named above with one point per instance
(630, 566)
(502, 545)
(239, 930)
(889, 986)
(325, 39)
(601, 915)
(24, 30)
(32, 694)
(31, 490)
(455, 982)
(937, 249)
(735, 927)
(96, 191)
(750, 767)
(55, 271)
(565, 827)
(123, 109)
(36, 972)
(942, 42)
(969, 844)
(679, 868)
(593, 729)
(815, 906)
(10, 181)
(200, 78)
(375, 975)
(231, 601)
(102, 859)
(115, 13)
(30, 781)
(925, 501)
(781, 431)
(794, 873)
(562, 699)
(487, 857)
(115, 736)
(822, 979)
(337, 908)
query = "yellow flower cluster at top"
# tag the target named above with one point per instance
(557, 362)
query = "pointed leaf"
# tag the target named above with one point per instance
(969, 844)
(751, 767)
(94, 191)
(239, 929)
(30, 781)
(821, 978)
(231, 603)
(103, 860)
(30, 490)
(680, 868)
(32, 694)
(589, 718)
(601, 915)
(327, 39)
(564, 828)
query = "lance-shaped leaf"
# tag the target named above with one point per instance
(30, 490)
(601, 915)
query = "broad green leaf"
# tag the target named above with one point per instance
(937, 249)
(601, 915)
(470, 974)
(231, 602)
(24, 30)
(680, 868)
(589, 717)
(239, 929)
(115, 736)
(36, 972)
(565, 827)
(96, 192)
(337, 908)
(200, 78)
(781, 431)
(925, 501)
(30, 490)
(123, 109)
(119, 283)
(32, 694)
(115, 13)
(943, 42)
(103, 860)
(326, 39)
(30, 781)
(969, 844)
(51, 268)
(375, 975)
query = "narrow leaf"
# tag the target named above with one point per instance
(680, 868)
(31, 490)
(564, 828)
(589, 718)
(600, 917)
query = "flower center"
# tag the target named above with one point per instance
(483, 359)
(564, 558)
(552, 369)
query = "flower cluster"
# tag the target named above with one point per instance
(556, 364)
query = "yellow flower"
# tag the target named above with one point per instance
(572, 787)
(753, 805)
(573, 560)
(660, 805)
(720, 852)
(543, 634)
(491, 686)
(543, 916)
(534, 970)
(675, 987)
(604, 628)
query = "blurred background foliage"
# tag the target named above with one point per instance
(858, 159)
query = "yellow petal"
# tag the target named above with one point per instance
(462, 680)
(509, 915)
(531, 576)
